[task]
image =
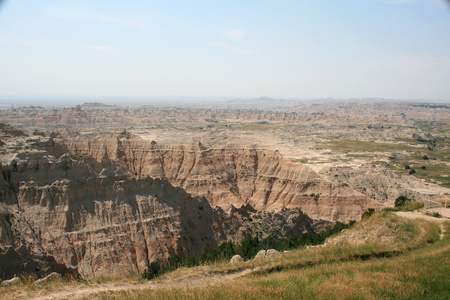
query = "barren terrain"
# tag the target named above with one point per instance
(98, 189)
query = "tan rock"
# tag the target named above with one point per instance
(233, 175)
(50, 277)
(272, 253)
(236, 259)
(10, 282)
(260, 254)
(80, 217)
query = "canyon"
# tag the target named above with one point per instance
(98, 190)
(74, 214)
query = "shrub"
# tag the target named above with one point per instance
(175, 261)
(407, 167)
(368, 213)
(249, 247)
(436, 215)
(412, 171)
(401, 200)
(389, 209)
(152, 271)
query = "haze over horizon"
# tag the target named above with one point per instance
(393, 49)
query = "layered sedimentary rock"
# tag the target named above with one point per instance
(76, 215)
(293, 112)
(232, 175)
(382, 184)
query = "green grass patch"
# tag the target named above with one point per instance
(363, 146)
(431, 173)
(300, 160)
(260, 126)
(441, 126)
(368, 156)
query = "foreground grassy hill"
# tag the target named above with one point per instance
(385, 256)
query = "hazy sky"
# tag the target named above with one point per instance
(234, 48)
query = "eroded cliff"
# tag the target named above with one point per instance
(78, 215)
(231, 175)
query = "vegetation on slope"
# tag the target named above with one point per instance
(398, 258)
(424, 159)
(411, 264)
(247, 248)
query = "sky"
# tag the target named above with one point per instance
(393, 49)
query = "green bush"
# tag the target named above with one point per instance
(368, 213)
(248, 248)
(174, 261)
(152, 271)
(401, 200)
(436, 215)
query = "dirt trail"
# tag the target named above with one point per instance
(416, 215)
(89, 291)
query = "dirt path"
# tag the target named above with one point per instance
(416, 215)
(91, 290)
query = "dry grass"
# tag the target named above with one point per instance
(401, 277)
(27, 287)
(347, 272)
(421, 273)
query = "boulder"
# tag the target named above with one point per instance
(236, 259)
(50, 277)
(12, 281)
(272, 253)
(260, 254)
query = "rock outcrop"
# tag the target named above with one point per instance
(236, 259)
(382, 184)
(232, 175)
(296, 112)
(12, 281)
(261, 254)
(50, 277)
(272, 253)
(72, 214)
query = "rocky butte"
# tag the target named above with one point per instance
(115, 203)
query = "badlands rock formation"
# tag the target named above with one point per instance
(273, 110)
(383, 184)
(73, 214)
(232, 175)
